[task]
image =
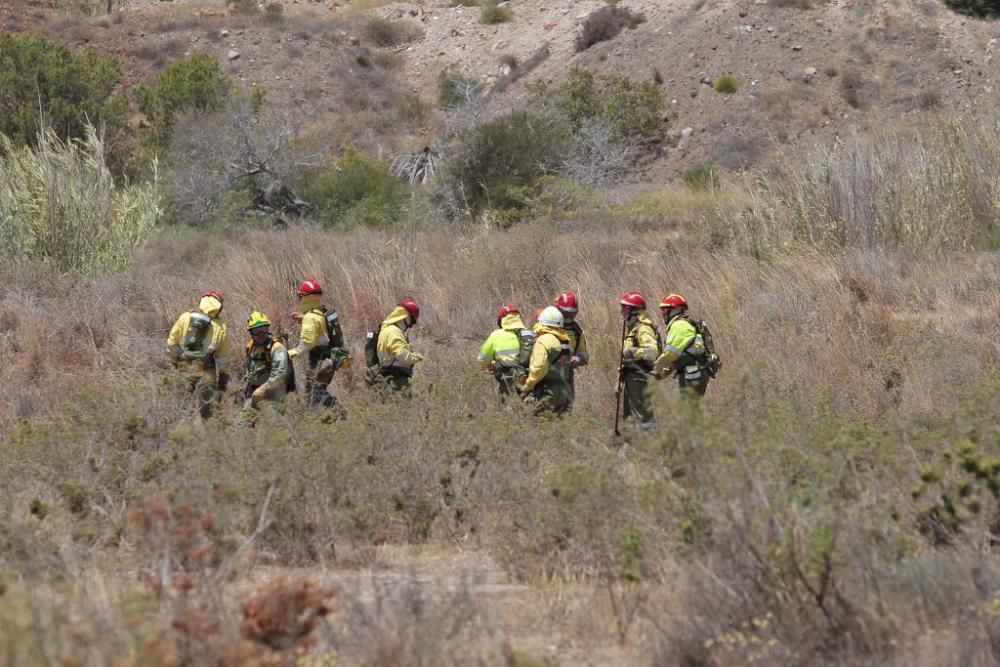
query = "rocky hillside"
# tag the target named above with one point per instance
(806, 71)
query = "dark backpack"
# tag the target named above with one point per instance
(371, 348)
(713, 363)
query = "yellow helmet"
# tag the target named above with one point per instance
(257, 319)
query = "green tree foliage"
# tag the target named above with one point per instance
(633, 107)
(497, 160)
(196, 82)
(45, 83)
(979, 8)
(357, 190)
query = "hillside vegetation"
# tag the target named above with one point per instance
(833, 500)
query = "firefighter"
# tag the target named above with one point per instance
(548, 367)
(640, 349)
(199, 347)
(568, 305)
(321, 341)
(684, 348)
(269, 374)
(394, 356)
(507, 351)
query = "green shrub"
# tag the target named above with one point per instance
(357, 190)
(455, 90)
(59, 205)
(492, 13)
(196, 82)
(383, 32)
(702, 177)
(39, 76)
(634, 108)
(978, 8)
(465, 3)
(494, 162)
(727, 84)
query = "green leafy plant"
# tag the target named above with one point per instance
(493, 13)
(727, 84)
(44, 83)
(357, 190)
(196, 82)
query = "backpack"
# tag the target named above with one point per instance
(713, 363)
(526, 340)
(371, 348)
(290, 383)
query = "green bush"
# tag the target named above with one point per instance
(727, 84)
(465, 3)
(494, 162)
(357, 190)
(978, 8)
(59, 205)
(634, 108)
(39, 76)
(702, 177)
(455, 90)
(196, 82)
(383, 32)
(492, 13)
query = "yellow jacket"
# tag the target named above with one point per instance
(641, 344)
(577, 342)
(213, 341)
(549, 356)
(503, 346)
(394, 349)
(681, 336)
(313, 332)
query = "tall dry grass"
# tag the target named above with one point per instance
(927, 184)
(872, 329)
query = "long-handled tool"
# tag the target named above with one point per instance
(621, 376)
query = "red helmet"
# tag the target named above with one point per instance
(633, 300)
(673, 301)
(567, 301)
(308, 287)
(412, 308)
(215, 294)
(506, 309)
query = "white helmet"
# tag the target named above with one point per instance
(551, 317)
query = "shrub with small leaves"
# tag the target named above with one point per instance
(727, 84)
(605, 24)
(357, 190)
(456, 90)
(493, 13)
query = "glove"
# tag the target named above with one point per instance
(345, 363)
(629, 353)
(528, 398)
(259, 394)
(296, 316)
(575, 361)
(223, 381)
(417, 358)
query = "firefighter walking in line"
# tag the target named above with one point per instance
(640, 349)
(507, 351)
(394, 358)
(269, 374)
(684, 348)
(198, 346)
(548, 367)
(321, 341)
(568, 305)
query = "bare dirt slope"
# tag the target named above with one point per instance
(809, 70)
